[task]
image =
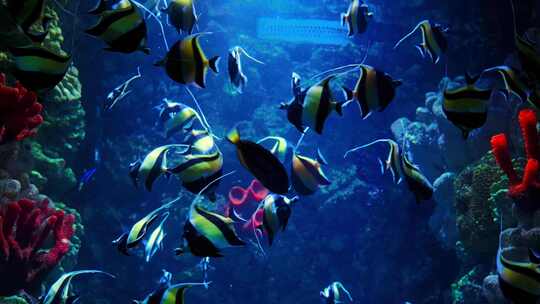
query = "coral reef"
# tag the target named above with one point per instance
(25, 227)
(468, 288)
(19, 112)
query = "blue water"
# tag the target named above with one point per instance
(362, 230)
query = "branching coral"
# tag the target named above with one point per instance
(25, 226)
(19, 112)
(525, 191)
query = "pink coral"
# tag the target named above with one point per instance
(239, 196)
(20, 113)
(524, 192)
(25, 227)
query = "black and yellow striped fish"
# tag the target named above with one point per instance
(201, 142)
(467, 106)
(513, 82)
(261, 163)
(392, 162)
(39, 68)
(374, 90)
(294, 106)
(186, 62)
(357, 17)
(196, 170)
(123, 29)
(282, 148)
(417, 182)
(207, 233)
(182, 15)
(318, 103)
(276, 213)
(173, 294)
(181, 121)
(153, 165)
(28, 13)
(138, 231)
(307, 174)
(59, 292)
(434, 42)
(519, 281)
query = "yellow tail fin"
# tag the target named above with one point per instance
(233, 136)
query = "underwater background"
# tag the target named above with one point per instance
(362, 230)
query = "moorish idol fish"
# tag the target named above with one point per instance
(39, 68)
(195, 171)
(434, 41)
(186, 62)
(152, 166)
(173, 294)
(528, 50)
(201, 142)
(467, 106)
(109, 5)
(307, 174)
(294, 107)
(276, 213)
(27, 13)
(519, 281)
(403, 169)
(59, 292)
(282, 148)
(357, 17)
(261, 163)
(120, 92)
(138, 231)
(181, 118)
(123, 29)
(155, 240)
(332, 293)
(374, 90)
(182, 15)
(513, 82)
(207, 233)
(234, 66)
(318, 103)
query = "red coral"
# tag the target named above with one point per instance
(239, 196)
(25, 227)
(19, 112)
(524, 192)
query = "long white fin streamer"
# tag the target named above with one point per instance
(158, 21)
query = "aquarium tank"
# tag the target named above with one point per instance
(278, 151)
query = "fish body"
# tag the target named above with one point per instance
(434, 42)
(417, 182)
(155, 240)
(138, 231)
(109, 5)
(186, 62)
(307, 175)
(59, 292)
(173, 294)
(182, 15)
(467, 106)
(519, 281)
(276, 213)
(39, 68)
(181, 121)
(282, 148)
(317, 105)
(374, 90)
(261, 163)
(333, 293)
(28, 13)
(513, 82)
(207, 233)
(234, 66)
(123, 29)
(357, 17)
(152, 166)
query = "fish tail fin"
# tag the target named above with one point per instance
(348, 93)
(234, 136)
(214, 64)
